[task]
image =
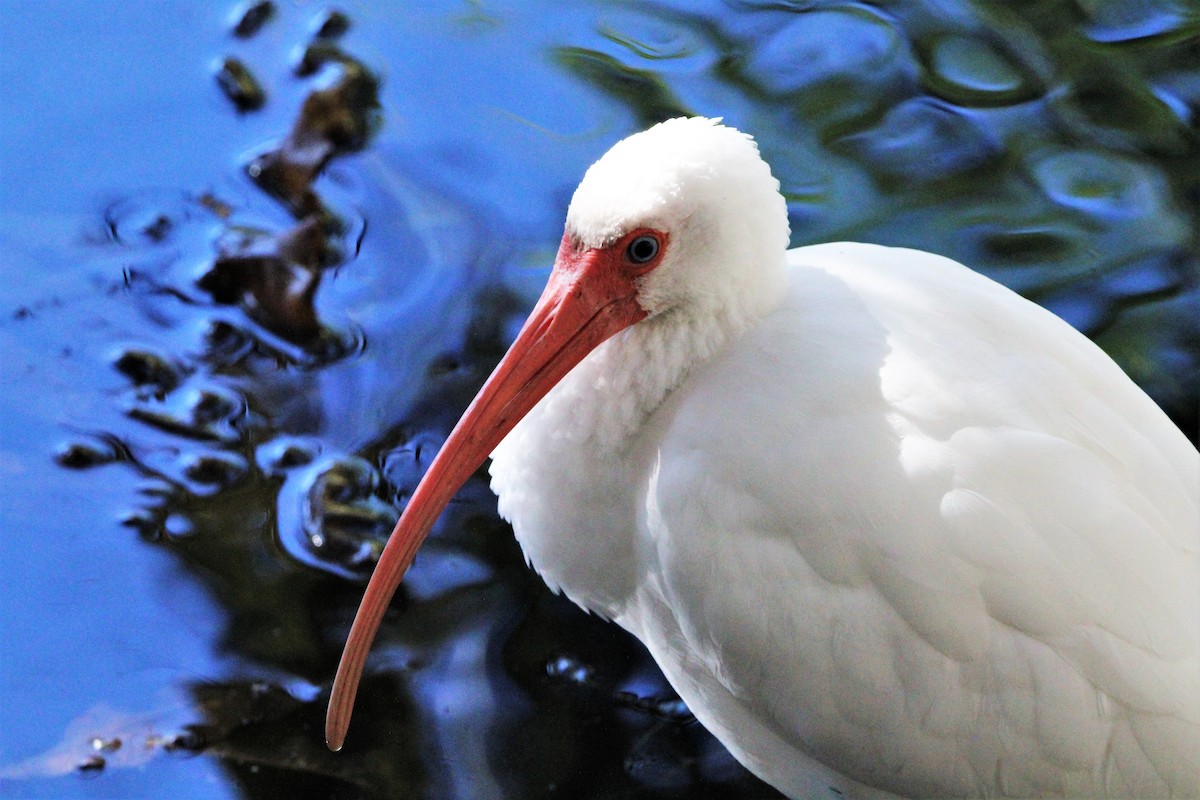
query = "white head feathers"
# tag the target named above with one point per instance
(707, 188)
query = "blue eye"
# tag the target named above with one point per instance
(642, 250)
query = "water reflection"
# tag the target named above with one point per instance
(239, 322)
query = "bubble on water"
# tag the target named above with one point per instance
(836, 65)
(88, 453)
(1100, 183)
(199, 408)
(815, 47)
(1113, 21)
(285, 453)
(923, 139)
(651, 44)
(242, 342)
(634, 36)
(210, 404)
(331, 517)
(210, 472)
(146, 367)
(971, 71)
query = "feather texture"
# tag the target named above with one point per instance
(896, 531)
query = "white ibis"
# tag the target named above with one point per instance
(887, 527)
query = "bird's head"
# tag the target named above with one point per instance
(688, 214)
(682, 218)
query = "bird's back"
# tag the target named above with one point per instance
(915, 529)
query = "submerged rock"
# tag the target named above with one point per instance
(240, 86)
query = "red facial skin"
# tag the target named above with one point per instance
(591, 295)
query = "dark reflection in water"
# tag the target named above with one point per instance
(259, 258)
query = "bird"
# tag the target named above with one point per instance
(888, 528)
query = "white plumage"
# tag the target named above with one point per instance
(886, 526)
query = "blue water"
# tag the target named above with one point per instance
(208, 424)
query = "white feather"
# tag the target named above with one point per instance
(886, 526)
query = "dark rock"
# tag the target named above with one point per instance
(240, 85)
(252, 17)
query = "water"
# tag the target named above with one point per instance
(252, 278)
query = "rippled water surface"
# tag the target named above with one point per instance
(258, 258)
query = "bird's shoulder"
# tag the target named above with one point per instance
(908, 500)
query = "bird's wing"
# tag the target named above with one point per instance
(937, 538)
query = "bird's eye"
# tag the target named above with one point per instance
(642, 250)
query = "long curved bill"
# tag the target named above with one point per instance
(586, 300)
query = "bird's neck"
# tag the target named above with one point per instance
(624, 382)
(570, 475)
